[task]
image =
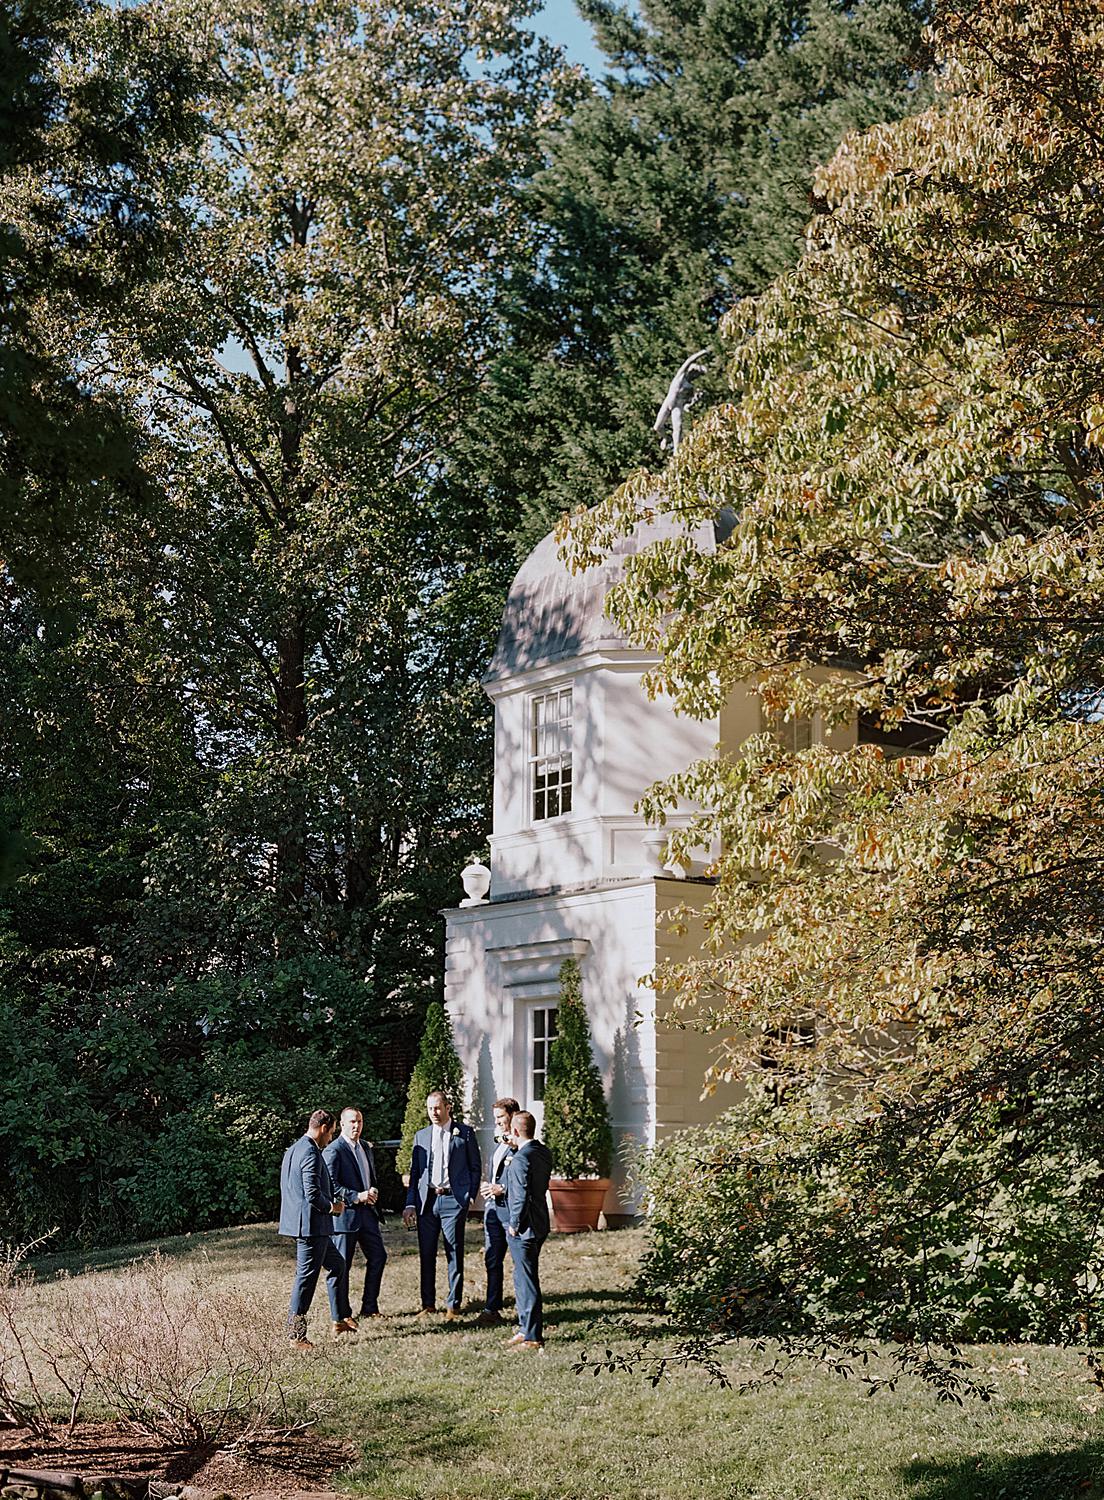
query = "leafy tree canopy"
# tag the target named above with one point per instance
(272, 668)
(90, 98)
(911, 447)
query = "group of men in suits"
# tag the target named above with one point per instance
(328, 1197)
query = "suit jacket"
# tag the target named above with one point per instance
(306, 1191)
(464, 1166)
(344, 1169)
(527, 1191)
(500, 1172)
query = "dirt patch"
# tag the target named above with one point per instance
(303, 1464)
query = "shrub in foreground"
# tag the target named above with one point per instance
(771, 1224)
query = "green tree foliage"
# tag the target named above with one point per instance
(682, 184)
(576, 1119)
(912, 449)
(90, 98)
(438, 1067)
(242, 756)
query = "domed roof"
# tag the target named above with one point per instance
(553, 615)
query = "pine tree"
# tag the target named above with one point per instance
(438, 1067)
(576, 1120)
(682, 184)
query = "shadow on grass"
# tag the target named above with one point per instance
(423, 1428)
(1073, 1474)
(588, 1306)
(220, 1248)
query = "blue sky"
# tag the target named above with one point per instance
(561, 23)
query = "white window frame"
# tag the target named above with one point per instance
(542, 1009)
(794, 734)
(550, 754)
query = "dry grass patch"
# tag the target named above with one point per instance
(445, 1412)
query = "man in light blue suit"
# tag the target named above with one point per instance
(495, 1212)
(353, 1170)
(308, 1204)
(444, 1178)
(528, 1226)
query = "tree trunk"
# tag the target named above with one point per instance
(291, 724)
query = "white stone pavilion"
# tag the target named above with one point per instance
(575, 871)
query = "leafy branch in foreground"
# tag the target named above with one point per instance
(941, 1368)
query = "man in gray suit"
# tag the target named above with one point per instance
(527, 1228)
(308, 1204)
(353, 1170)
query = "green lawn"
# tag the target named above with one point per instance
(448, 1413)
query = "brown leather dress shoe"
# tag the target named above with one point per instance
(343, 1327)
(488, 1319)
(452, 1314)
(427, 1312)
(300, 1344)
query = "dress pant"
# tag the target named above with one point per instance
(527, 1292)
(494, 1258)
(310, 1256)
(442, 1217)
(370, 1240)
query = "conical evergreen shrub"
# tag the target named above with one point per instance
(576, 1120)
(438, 1067)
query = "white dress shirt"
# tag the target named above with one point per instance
(439, 1155)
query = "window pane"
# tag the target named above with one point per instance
(550, 754)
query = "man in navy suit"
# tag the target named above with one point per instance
(527, 1228)
(444, 1178)
(495, 1212)
(353, 1171)
(308, 1203)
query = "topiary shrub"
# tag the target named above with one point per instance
(576, 1120)
(438, 1067)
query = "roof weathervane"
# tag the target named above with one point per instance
(680, 395)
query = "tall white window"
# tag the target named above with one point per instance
(542, 1033)
(550, 754)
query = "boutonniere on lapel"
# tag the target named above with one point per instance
(455, 1132)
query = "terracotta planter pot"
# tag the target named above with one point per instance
(577, 1202)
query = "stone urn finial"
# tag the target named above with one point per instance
(477, 882)
(653, 846)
